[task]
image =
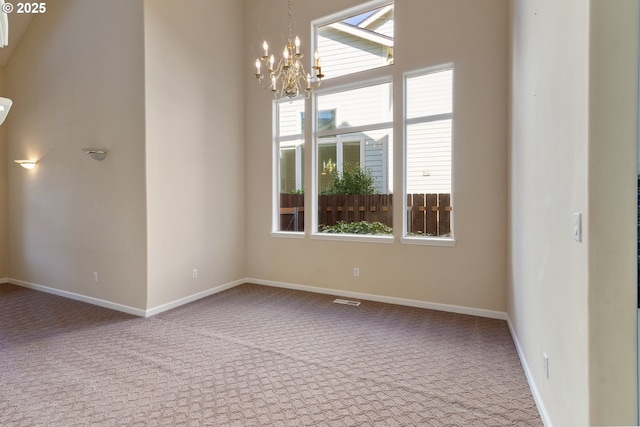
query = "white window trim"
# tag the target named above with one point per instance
(275, 168)
(425, 241)
(368, 238)
(288, 234)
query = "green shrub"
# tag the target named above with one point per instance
(352, 180)
(361, 227)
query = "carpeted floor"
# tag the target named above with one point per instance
(255, 356)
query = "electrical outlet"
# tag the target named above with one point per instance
(95, 277)
(545, 364)
(356, 272)
(194, 273)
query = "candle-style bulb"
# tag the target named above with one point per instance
(265, 46)
(272, 59)
(257, 66)
(297, 42)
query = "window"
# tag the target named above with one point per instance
(352, 145)
(289, 152)
(428, 161)
(356, 42)
(354, 160)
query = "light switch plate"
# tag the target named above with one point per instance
(577, 227)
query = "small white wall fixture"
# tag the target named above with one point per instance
(27, 164)
(5, 106)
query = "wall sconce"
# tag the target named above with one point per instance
(95, 153)
(27, 164)
(5, 106)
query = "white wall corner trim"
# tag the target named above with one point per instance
(385, 299)
(532, 384)
(186, 300)
(79, 297)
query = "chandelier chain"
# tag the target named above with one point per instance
(290, 22)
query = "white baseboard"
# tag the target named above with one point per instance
(79, 297)
(121, 307)
(357, 295)
(381, 298)
(433, 306)
(190, 298)
(182, 301)
(532, 383)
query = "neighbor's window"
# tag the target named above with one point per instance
(428, 163)
(354, 161)
(355, 43)
(289, 149)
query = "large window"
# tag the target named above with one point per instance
(289, 152)
(428, 160)
(354, 160)
(351, 146)
(354, 154)
(356, 42)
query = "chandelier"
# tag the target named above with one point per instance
(288, 78)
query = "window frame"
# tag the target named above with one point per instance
(276, 174)
(426, 240)
(341, 15)
(337, 133)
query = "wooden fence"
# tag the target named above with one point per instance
(427, 214)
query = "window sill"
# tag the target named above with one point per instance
(428, 241)
(361, 238)
(288, 234)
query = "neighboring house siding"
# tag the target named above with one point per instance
(348, 53)
(429, 165)
(375, 153)
(363, 109)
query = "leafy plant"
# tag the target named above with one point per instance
(296, 191)
(361, 227)
(352, 180)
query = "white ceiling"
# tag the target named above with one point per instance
(18, 23)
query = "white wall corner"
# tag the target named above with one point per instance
(530, 379)
(190, 298)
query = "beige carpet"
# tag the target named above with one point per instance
(253, 356)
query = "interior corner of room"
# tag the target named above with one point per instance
(151, 157)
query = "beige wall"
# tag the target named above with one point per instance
(549, 141)
(613, 119)
(194, 147)
(472, 35)
(77, 80)
(5, 163)
(574, 97)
